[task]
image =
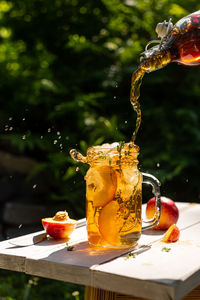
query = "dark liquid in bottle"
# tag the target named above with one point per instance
(184, 41)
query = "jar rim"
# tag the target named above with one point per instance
(114, 147)
(115, 152)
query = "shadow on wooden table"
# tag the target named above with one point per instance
(86, 256)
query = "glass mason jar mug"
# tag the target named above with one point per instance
(114, 195)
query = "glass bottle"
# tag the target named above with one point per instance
(179, 43)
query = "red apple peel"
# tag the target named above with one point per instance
(172, 234)
(169, 212)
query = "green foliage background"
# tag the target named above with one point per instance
(19, 286)
(65, 70)
(65, 73)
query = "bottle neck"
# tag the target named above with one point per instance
(157, 60)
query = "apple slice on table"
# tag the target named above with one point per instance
(172, 234)
(169, 212)
(101, 185)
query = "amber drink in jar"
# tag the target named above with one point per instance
(114, 195)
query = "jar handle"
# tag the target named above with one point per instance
(155, 183)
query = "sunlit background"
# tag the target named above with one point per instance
(65, 74)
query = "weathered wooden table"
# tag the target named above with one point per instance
(151, 274)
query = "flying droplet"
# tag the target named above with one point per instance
(58, 132)
(158, 165)
(77, 169)
(55, 142)
(10, 119)
(34, 186)
(11, 128)
(125, 122)
(49, 130)
(23, 137)
(20, 226)
(23, 119)
(41, 137)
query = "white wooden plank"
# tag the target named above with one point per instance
(86, 258)
(13, 258)
(73, 266)
(13, 263)
(154, 265)
(152, 274)
(128, 286)
(189, 214)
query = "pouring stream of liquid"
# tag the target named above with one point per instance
(135, 94)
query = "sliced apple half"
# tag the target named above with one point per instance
(101, 185)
